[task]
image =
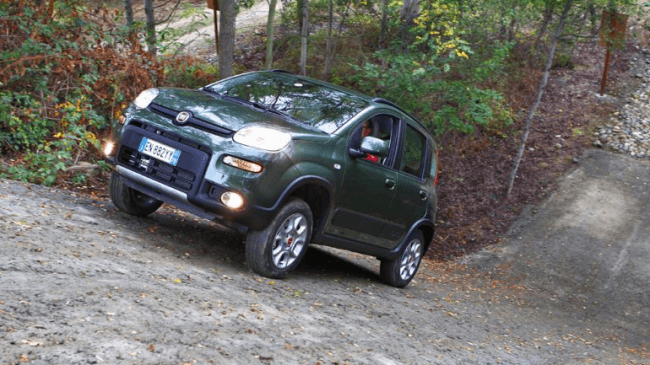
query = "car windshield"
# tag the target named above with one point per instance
(317, 105)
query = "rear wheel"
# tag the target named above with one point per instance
(130, 200)
(277, 249)
(400, 271)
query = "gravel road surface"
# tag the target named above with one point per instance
(81, 282)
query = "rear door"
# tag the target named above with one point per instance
(413, 185)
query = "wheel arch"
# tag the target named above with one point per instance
(317, 193)
(428, 230)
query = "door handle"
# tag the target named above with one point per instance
(423, 195)
(390, 184)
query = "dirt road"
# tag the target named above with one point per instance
(81, 282)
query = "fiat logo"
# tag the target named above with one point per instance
(183, 117)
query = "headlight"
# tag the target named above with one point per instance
(108, 148)
(145, 98)
(232, 200)
(264, 138)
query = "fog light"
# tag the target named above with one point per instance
(232, 200)
(108, 148)
(242, 164)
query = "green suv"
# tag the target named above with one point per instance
(288, 160)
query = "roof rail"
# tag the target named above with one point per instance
(281, 70)
(388, 102)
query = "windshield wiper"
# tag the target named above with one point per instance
(260, 106)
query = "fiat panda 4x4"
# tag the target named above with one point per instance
(287, 160)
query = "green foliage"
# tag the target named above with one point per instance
(23, 126)
(63, 78)
(41, 166)
(420, 86)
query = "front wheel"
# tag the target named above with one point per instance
(400, 271)
(130, 200)
(278, 248)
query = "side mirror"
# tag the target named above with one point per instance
(374, 146)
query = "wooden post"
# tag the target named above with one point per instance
(605, 71)
(612, 35)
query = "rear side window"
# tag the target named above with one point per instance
(413, 154)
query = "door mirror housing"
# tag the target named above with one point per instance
(374, 146)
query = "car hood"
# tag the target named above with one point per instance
(232, 115)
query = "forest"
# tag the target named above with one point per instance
(473, 71)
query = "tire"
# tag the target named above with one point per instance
(130, 200)
(278, 248)
(400, 271)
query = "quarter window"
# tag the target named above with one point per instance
(412, 156)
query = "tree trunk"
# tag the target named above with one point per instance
(410, 11)
(540, 92)
(227, 37)
(128, 12)
(330, 56)
(269, 34)
(151, 27)
(328, 45)
(384, 24)
(548, 16)
(303, 38)
(593, 16)
(299, 6)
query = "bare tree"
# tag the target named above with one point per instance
(410, 11)
(328, 43)
(548, 16)
(331, 40)
(540, 92)
(384, 23)
(303, 38)
(128, 12)
(151, 27)
(227, 37)
(269, 34)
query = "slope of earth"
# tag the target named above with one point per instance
(81, 282)
(474, 209)
(585, 252)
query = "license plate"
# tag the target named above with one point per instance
(159, 151)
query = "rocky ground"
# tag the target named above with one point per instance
(629, 131)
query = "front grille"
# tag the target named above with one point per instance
(169, 175)
(169, 135)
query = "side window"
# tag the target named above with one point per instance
(379, 126)
(413, 154)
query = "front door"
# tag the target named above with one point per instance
(363, 212)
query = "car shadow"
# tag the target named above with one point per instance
(210, 245)
(331, 263)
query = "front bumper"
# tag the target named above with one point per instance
(182, 185)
